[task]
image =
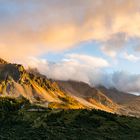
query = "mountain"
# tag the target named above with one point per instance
(121, 102)
(128, 103)
(92, 95)
(131, 108)
(17, 82)
(117, 96)
(3, 61)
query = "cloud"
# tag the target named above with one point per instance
(94, 62)
(131, 57)
(74, 67)
(136, 44)
(31, 28)
(131, 81)
(78, 67)
(114, 44)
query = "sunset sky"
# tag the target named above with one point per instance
(95, 41)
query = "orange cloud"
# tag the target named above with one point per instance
(37, 27)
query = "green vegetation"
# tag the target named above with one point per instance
(17, 122)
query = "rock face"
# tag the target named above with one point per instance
(11, 70)
(128, 104)
(3, 61)
(131, 108)
(90, 94)
(117, 96)
(17, 82)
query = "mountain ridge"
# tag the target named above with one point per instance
(2, 61)
(15, 82)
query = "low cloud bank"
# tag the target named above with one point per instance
(88, 69)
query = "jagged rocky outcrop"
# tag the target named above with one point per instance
(88, 93)
(115, 95)
(15, 81)
(3, 61)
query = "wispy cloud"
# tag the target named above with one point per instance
(115, 43)
(131, 57)
(72, 67)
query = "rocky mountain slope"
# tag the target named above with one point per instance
(92, 95)
(2, 61)
(16, 82)
(129, 104)
(124, 103)
(131, 108)
(117, 96)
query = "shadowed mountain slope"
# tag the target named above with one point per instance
(116, 95)
(84, 91)
(3, 61)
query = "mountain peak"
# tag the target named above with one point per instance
(2, 61)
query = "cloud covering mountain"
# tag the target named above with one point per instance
(32, 29)
(90, 70)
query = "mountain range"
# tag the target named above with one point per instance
(17, 82)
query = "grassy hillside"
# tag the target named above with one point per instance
(19, 122)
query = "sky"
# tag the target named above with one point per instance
(94, 41)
